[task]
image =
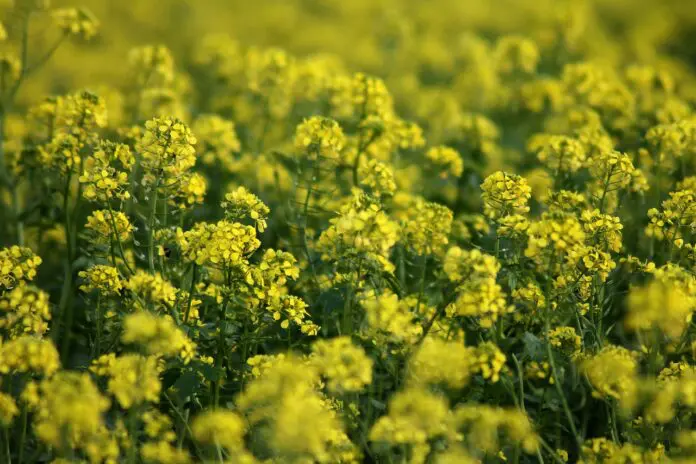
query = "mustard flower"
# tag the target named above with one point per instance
(81, 114)
(446, 160)
(514, 226)
(677, 212)
(479, 134)
(158, 425)
(488, 361)
(283, 401)
(217, 140)
(559, 153)
(271, 73)
(29, 354)
(565, 339)
(460, 265)
(101, 278)
(157, 335)
(426, 227)
(660, 304)
(482, 299)
(361, 231)
(319, 137)
(167, 149)
(8, 409)
(378, 177)
(17, 264)
(483, 425)
(163, 452)
(346, 366)
(69, 406)
(24, 310)
(613, 170)
(77, 22)
(151, 66)
(389, 320)
(105, 173)
(220, 428)
(108, 226)
(289, 308)
(415, 417)
(505, 194)
(134, 380)
(553, 234)
(240, 204)
(516, 54)
(62, 153)
(612, 373)
(223, 244)
(279, 266)
(440, 362)
(361, 96)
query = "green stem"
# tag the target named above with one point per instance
(421, 286)
(220, 353)
(151, 231)
(67, 280)
(561, 394)
(99, 321)
(192, 289)
(23, 434)
(118, 240)
(551, 452)
(6, 436)
(19, 223)
(132, 434)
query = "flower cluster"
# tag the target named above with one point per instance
(393, 231)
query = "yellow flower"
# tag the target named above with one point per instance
(505, 194)
(8, 410)
(660, 304)
(447, 160)
(70, 407)
(29, 354)
(319, 137)
(101, 278)
(241, 204)
(17, 264)
(24, 310)
(157, 335)
(134, 379)
(220, 428)
(77, 22)
(346, 366)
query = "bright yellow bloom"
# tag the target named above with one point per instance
(346, 366)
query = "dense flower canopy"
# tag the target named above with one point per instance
(389, 231)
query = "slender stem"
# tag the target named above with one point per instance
(421, 286)
(347, 325)
(222, 327)
(19, 222)
(551, 452)
(305, 220)
(99, 322)
(192, 289)
(218, 451)
(132, 434)
(520, 378)
(23, 436)
(118, 240)
(151, 231)
(561, 394)
(8, 453)
(67, 280)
